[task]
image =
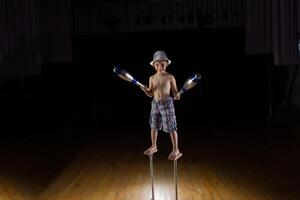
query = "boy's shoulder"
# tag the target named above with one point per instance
(170, 75)
(152, 76)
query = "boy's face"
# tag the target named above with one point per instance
(160, 65)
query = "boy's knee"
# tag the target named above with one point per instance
(172, 131)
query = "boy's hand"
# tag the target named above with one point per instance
(147, 91)
(177, 96)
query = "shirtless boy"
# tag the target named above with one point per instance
(162, 116)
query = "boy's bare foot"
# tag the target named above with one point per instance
(150, 150)
(175, 155)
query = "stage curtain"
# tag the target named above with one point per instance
(273, 26)
(33, 32)
(102, 17)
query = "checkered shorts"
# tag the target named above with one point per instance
(163, 115)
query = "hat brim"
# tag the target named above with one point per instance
(152, 62)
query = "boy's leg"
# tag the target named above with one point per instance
(153, 148)
(175, 154)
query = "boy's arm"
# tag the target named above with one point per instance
(174, 88)
(148, 91)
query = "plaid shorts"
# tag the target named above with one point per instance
(163, 115)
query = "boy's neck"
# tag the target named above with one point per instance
(161, 72)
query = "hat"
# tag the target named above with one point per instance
(160, 55)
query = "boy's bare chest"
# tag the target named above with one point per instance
(160, 82)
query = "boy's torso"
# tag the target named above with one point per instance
(161, 86)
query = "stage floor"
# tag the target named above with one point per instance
(112, 167)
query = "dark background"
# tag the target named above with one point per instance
(56, 61)
(86, 93)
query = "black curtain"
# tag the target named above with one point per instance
(272, 26)
(98, 17)
(19, 37)
(33, 32)
(55, 17)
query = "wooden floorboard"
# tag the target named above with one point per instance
(111, 166)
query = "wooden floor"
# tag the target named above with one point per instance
(114, 168)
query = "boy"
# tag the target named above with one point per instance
(162, 108)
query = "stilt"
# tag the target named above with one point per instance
(151, 175)
(175, 174)
(176, 179)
